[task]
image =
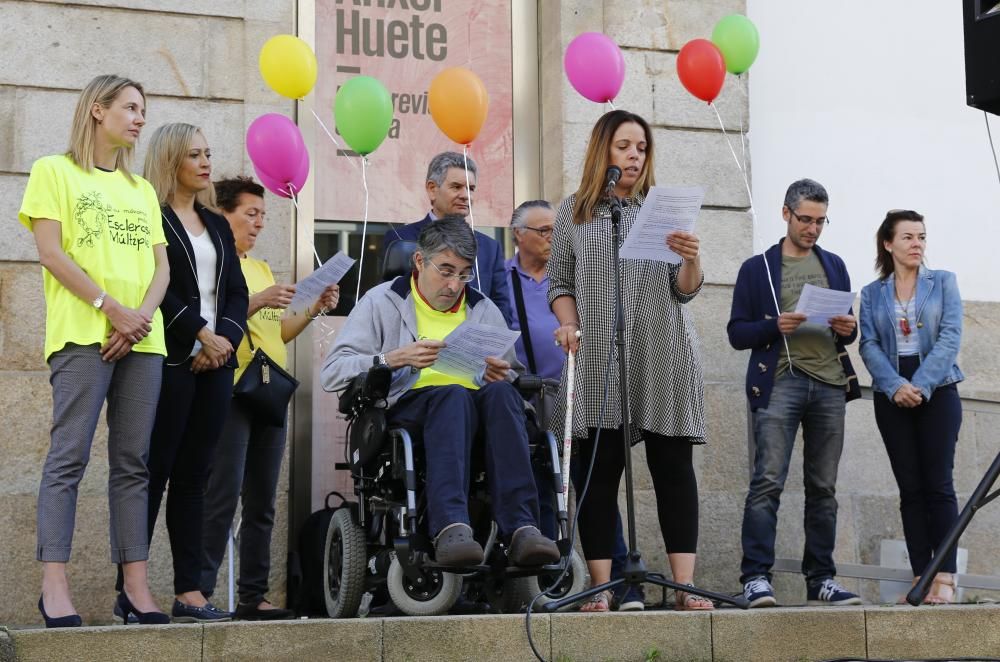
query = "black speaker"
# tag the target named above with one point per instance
(982, 54)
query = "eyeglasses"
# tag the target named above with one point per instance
(544, 233)
(449, 273)
(809, 220)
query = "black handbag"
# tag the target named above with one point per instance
(265, 388)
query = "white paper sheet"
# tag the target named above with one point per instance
(666, 209)
(466, 348)
(309, 288)
(820, 303)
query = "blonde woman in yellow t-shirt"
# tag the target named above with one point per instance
(101, 245)
(248, 458)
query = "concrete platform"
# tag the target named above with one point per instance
(766, 635)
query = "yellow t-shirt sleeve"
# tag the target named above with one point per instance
(156, 234)
(42, 195)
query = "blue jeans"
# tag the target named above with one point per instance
(819, 408)
(450, 417)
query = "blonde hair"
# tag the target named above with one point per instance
(167, 150)
(595, 163)
(102, 90)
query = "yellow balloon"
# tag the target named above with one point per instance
(288, 66)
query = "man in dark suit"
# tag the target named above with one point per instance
(448, 194)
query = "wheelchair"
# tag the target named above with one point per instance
(378, 548)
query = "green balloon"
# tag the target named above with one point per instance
(737, 38)
(363, 113)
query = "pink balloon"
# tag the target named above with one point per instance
(595, 66)
(281, 188)
(275, 147)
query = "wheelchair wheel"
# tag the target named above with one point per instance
(521, 590)
(436, 594)
(344, 565)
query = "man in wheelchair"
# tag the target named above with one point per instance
(401, 324)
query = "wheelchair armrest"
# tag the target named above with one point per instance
(365, 389)
(528, 385)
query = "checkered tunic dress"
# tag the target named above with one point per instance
(666, 388)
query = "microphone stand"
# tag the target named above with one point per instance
(634, 573)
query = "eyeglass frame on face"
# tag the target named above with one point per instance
(544, 233)
(462, 278)
(820, 223)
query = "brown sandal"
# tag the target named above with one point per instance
(598, 603)
(942, 589)
(901, 600)
(685, 601)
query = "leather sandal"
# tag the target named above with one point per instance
(455, 546)
(685, 601)
(901, 600)
(942, 589)
(598, 603)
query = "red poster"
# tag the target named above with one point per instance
(405, 43)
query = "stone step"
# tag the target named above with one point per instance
(767, 635)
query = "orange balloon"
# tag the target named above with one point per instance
(458, 103)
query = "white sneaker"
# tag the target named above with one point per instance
(759, 592)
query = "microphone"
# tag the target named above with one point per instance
(613, 174)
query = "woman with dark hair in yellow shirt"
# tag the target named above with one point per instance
(248, 460)
(101, 243)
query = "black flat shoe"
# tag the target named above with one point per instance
(144, 617)
(183, 613)
(71, 621)
(252, 613)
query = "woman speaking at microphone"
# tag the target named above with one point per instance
(665, 389)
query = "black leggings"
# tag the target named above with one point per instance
(669, 462)
(921, 445)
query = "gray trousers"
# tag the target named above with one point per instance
(81, 382)
(247, 466)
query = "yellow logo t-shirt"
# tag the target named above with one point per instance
(109, 228)
(436, 325)
(265, 324)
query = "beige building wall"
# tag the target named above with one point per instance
(198, 63)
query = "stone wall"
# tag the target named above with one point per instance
(198, 63)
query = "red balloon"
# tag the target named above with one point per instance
(701, 68)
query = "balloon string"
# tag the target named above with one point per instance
(319, 263)
(472, 218)
(364, 227)
(330, 136)
(746, 94)
(753, 229)
(739, 166)
(295, 201)
(612, 104)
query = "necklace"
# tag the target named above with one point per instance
(904, 321)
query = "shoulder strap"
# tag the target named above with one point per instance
(522, 317)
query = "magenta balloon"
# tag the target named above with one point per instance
(281, 188)
(595, 66)
(275, 146)
(271, 185)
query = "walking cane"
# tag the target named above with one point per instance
(568, 428)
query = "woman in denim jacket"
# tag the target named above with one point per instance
(911, 329)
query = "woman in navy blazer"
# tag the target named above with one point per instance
(911, 329)
(205, 315)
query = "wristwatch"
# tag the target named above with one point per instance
(379, 359)
(99, 301)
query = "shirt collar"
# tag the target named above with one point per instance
(454, 309)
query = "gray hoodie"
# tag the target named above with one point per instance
(385, 319)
